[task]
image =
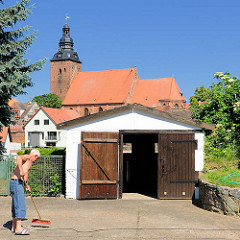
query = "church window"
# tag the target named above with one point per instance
(64, 69)
(176, 106)
(86, 112)
(100, 109)
(60, 70)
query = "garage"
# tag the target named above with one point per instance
(133, 149)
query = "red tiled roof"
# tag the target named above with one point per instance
(60, 115)
(12, 101)
(3, 134)
(98, 87)
(149, 91)
(16, 128)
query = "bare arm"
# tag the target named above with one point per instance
(20, 160)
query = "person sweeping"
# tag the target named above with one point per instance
(20, 176)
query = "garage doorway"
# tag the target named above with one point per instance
(140, 157)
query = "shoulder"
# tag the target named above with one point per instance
(24, 157)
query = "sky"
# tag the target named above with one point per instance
(189, 40)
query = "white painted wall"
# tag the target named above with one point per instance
(124, 121)
(7, 144)
(199, 153)
(41, 128)
(132, 121)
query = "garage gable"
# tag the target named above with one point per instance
(135, 117)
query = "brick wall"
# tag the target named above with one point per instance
(62, 73)
(18, 137)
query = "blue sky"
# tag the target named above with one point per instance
(188, 39)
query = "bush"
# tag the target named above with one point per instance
(45, 151)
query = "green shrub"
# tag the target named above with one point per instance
(45, 151)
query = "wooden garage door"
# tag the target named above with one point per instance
(99, 165)
(176, 166)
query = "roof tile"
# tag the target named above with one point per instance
(98, 87)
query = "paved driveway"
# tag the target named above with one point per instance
(133, 217)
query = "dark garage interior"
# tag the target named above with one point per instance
(140, 154)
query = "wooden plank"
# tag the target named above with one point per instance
(98, 162)
(96, 140)
(99, 165)
(178, 152)
(99, 181)
(120, 187)
(99, 191)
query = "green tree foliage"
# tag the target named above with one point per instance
(221, 107)
(48, 100)
(197, 101)
(15, 70)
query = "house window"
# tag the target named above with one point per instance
(51, 144)
(46, 121)
(86, 112)
(52, 135)
(36, 122)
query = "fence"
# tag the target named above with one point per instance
(7, 165)
(46, 177)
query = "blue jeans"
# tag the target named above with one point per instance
(19, 207)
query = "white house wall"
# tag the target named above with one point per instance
(124, 121)
(41, 116)
(7, 144)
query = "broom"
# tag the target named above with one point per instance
(37, 220)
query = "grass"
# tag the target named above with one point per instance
(218, 168)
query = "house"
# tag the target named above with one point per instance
(17, 133)
(133, 148)
(22, 112)
(96, 91)
(5, 138)
(41, 131)
(30, 109)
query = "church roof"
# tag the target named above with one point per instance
(100, 87)
(149, 92)
(116, 86)
(65, 51)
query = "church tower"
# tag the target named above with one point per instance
(64, 65)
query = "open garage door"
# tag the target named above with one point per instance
(99, 165)
(176, 166)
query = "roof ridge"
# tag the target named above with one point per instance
(106, 70)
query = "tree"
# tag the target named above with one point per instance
(200, 97)
(223, 109)
(15, 70)
(48, 100)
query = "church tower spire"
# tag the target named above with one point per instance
(64, 64)
(65, 51)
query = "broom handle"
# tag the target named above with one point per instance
(33, 200)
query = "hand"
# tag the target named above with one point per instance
(22, 174)
(28, 188)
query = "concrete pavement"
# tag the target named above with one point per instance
(133, 217)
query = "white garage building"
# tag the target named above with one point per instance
(133, 149)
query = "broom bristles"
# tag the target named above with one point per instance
(47, 222)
